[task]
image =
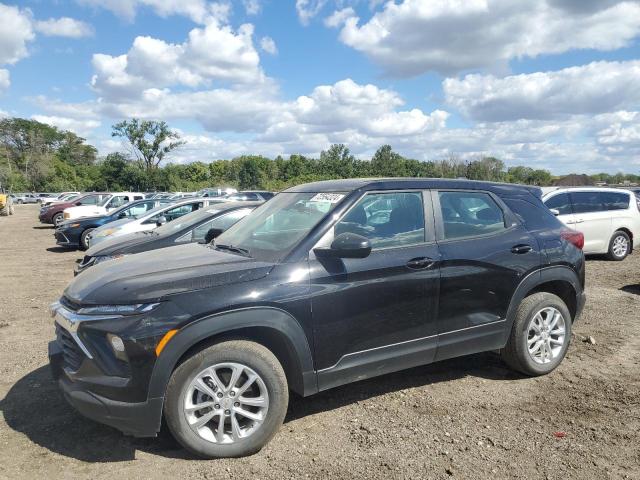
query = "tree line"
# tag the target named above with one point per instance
(39, 157)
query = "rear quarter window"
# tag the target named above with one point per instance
(615, 200)
(534, 216)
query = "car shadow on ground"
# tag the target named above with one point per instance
(633, 288)
(60, 249)
(36, 408)
(43, 227)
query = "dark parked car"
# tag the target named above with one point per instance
(53, 214)
(325, 284)
(200, 226)
(73, 233)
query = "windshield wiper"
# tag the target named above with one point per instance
(230, 248)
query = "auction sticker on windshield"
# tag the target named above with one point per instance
(327, 197)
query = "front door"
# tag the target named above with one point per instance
(377, 314)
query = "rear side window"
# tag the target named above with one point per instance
(615, 200)
(561, 203)
(470, 214)
(586, 202)
(534, 216)
(386, 219)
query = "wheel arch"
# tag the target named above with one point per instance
(559, 280)
(269, 326)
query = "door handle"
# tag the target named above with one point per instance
(520, 249)
(420, 263)
(579, 220)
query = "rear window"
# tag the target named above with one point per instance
(586, 202)
(615, 200)
(470, 214)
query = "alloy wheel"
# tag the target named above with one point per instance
(620, 246)
(546, 335)
(226, 402)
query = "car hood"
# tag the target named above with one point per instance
(121, 244)
(150, 276)
(91, 219)
(85, 211)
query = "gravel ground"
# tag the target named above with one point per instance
(466, 418)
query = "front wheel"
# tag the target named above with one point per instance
(540, 335)
(58, 218)
(619, 246)
(84, 240)
(227, 400)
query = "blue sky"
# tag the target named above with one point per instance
(544, 83)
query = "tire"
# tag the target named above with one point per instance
(619, 246)
(516, 353)
(19, 202)
(272, 380)
(57, 219)
(83, 238)
(4, 211)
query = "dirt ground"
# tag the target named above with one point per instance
(466, 418)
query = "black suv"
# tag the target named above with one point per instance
(325, 284)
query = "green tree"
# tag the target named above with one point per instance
(150, 141)
(387, 163)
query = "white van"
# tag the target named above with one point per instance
(116, 200)
(609, 218)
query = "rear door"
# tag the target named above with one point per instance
(592, 219)
(485, 253)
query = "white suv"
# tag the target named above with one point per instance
(116, 200)
(609, 218)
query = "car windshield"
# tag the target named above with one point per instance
(186, 221)
(272, 230)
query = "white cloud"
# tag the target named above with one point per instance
(598, 87)
(64, 27)
(200, 11)
(450, 36)
(268, 45)
(5, 81)
(252, 7)
(307, 9)
(82, 128)
(339, 17)
(16, 32)
(212, 53)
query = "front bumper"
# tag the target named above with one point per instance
(66, 238)
(136, 419)
(93, 380)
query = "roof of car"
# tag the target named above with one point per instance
(351, 184)
(583, 189)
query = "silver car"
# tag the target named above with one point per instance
(148, 220)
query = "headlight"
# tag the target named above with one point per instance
(118, 309)
(104, 258)
(66, 215)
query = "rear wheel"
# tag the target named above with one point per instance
(84, 242)
(57, 219)
(227, 400)
(19, 202)
(540, 335)
(619, 246)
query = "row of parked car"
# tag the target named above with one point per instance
(204, 313)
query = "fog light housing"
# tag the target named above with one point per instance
(118, 347)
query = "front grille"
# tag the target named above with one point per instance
(61, 237)
(69, 304)
(71, 352)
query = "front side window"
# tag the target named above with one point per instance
(615, 200)
(470, 214)
(561, 203)
(586, 202)
(386, 219)
(272, 230)
(90, 200)
(137, 209)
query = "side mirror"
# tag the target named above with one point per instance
(78, 204)
(346, 245)
(554, 211)
(212, 234)
(161, 221)
(122, 215)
